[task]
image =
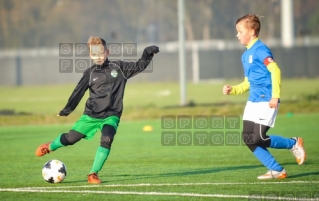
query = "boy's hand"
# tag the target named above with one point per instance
(273, 103)
(63, 113)
(227, 89)
(152, 50)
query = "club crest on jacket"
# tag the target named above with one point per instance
(114, 73)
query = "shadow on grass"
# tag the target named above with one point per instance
(183, 173)
(303, 174)
(72, 182)
(129, 177)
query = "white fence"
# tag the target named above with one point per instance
(215, 59)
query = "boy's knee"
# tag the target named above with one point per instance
(71, 138)
(249, 140)
(252, 139)
(106, 141)
(107, 137)
(248, 137)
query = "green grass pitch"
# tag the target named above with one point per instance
(141, 168)
(148, 101)
(49, 99)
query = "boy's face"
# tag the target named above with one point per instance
(244, 34)
(98, 54)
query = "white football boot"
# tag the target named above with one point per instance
(272, 174)
(298, 150)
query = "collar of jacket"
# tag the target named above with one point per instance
(105, 64)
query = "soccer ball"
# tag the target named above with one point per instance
(54, 171)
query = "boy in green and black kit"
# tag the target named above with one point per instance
(106, 82)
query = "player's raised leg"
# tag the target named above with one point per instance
(279, 142)
(62, 140)
(295, 145)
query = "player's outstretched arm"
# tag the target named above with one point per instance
(76, 95)
(132, 68)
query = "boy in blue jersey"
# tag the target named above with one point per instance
(262, 79)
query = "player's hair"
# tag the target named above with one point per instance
(93, 40)
(251, 22)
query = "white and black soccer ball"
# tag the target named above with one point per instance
(54, 171)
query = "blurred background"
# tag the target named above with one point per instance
(31, 32)
(34, 88)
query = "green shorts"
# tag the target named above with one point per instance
(88, 126)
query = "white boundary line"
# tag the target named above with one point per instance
(175, 184)
(54, 189)
(156, 193)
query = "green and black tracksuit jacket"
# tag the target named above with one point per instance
(106, 84)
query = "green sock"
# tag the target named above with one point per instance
(100, 158)
(56, 144)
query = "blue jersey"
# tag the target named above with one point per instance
(256, 71)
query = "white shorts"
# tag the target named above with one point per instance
(260, 113)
